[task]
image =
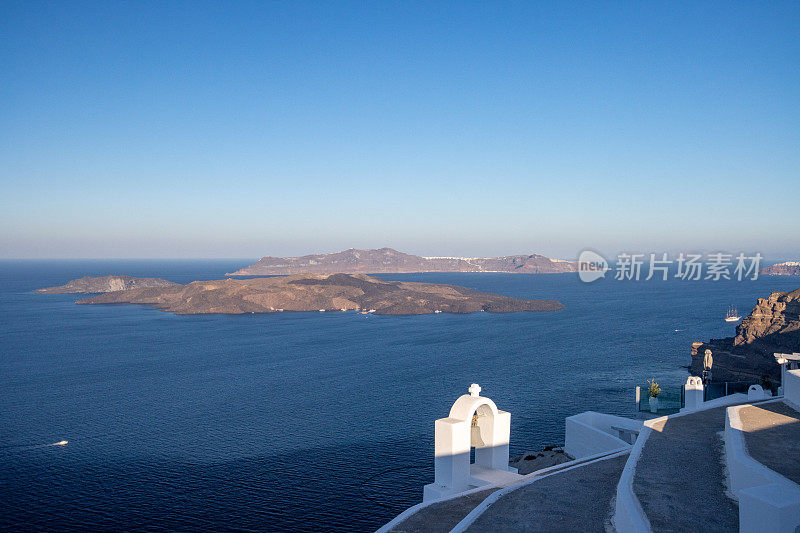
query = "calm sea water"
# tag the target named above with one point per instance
(301, 421)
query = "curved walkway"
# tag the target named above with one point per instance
(578, 499)
(445, 515)
(440, 517)
(680, 477)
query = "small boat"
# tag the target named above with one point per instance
(61, 443)
(732, 315)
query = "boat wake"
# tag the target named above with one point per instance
(24, 447)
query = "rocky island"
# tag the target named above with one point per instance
(106, 284)
(772, 326)
(320, 292)
(787, 268)
(389, 261)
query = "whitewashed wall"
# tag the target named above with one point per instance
(590, 433)
(791, 386)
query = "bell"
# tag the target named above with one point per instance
(475, 436)
(476, 439)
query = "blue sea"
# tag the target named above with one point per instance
(302, 421)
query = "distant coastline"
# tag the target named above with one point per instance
(390, 261)
(787, 268)
(90, 285)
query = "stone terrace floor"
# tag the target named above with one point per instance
(772, 434)
(680, 476)
(578, 499)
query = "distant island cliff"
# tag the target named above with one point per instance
(387, 260)
(106, 284)
(320, 292)
(772, 326)
(787, 268)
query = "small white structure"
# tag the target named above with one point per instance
(474, 422)
(693, 393)
(757, 392)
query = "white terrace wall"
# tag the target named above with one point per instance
(791, 386)
(591, 433)
(767, 500)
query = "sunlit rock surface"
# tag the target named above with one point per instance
(772, 326)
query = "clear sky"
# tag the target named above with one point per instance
(236, 129)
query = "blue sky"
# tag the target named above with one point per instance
(236, 129)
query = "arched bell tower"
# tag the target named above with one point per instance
(474, 422)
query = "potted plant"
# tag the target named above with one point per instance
(655, 390)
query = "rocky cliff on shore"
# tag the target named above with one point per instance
(387, 260)
(106, 284)
(772, 326)
(320, 292)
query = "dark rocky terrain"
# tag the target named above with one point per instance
(789, 268)
(772, 326)
(106, 284)
(315, 292)
(536, 460)
(386, 260)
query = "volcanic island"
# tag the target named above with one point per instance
(319, 292)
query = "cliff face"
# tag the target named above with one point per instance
(315, 292)
(387, 260)
(106, 284)
(789, 268)
(772, 326)
(774, 321)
